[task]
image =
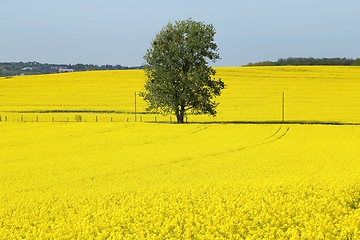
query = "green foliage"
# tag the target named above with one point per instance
(356, 62)
(178, 77)
(300, 61)
(33, 68)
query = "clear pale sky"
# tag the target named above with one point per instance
(119, 32)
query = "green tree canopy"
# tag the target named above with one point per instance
(179, 79)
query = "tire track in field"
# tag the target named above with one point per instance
(87, 133)
(60, 137)
(277, 135)
(280, 133)
(21, 127)
(178, 135)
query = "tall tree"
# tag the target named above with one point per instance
(179, 79)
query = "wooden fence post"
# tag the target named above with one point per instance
(283, 108)
(135, 107)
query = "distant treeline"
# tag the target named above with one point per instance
(301, 61)
(31, 68)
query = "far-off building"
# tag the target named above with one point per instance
(61, 70)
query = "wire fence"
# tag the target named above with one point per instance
(251, 107)
(17, 117)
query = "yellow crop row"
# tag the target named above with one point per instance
(311, 93)
(140, 180)
(126, 180)
(98, 90)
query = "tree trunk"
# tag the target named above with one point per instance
(180, 115)
(180, 118)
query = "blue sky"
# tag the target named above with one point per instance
(119, 32)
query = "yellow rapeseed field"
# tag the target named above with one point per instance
(145, 180)
(253, 94)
